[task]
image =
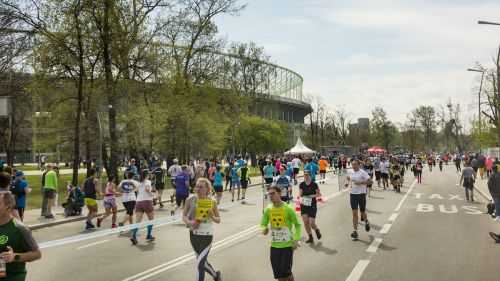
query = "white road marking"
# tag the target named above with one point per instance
(185, 258)
(92, 244)
(358, 270)
(374, 245)
(406, 196)
(385, 229)
(393, 217)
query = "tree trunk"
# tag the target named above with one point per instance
(81, 74)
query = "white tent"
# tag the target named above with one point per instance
(300, 148)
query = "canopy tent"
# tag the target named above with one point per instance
(376, 149)
(300, 148)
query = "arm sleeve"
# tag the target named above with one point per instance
(264, 222)
(28, 239)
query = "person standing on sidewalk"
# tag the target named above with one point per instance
(17, 246)
(44, 199)
(467, 181)
(494, 188)
(50, 190)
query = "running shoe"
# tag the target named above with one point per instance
(318, 234)
(150, 238)
(89, 225)
(495, 237)
(133, 240)
(367, 226)
(121, 224)
(354, 235)
(113, 225)
(99, 221)
(218, 276)
(310, 240)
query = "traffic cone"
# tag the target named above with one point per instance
(297, 204)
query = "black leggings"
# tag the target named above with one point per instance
(201, 245)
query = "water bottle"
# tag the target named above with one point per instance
(3, 268)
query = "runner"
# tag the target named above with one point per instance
(358, 179)
(312, 167)
(285, 184)
(286, 232)
(309, 191)
(173, 171)
(235, 180)
(296, 163)
(181, 189)
(218, 185)
(384, 172)
(268, 172)
(376, 167)
(457, 161)
(110, 194)
(418, 170)
(396, 177)
(440, 164)
(245, 180)
(199, 215)
(91, 192)
(227, 172)
(128, 188)
(144, 205)
(368, 168)
(467, 181)
(159, 183)
(323, 166)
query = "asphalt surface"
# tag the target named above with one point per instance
(424, 233)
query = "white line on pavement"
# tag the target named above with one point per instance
(92, 244)
(406, 196)
(385, 229)
(357, 271)
(374, 245)
(185, 258)
(393, 217)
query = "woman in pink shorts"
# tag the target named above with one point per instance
(110, 194)
(144, 204)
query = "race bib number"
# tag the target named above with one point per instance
(202, 208)
(205, 228)
(284, 192)
(281, 234)
(307, 201)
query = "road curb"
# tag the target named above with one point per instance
(81, 218)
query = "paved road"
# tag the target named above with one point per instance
(424, 233)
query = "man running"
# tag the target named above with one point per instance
(128, 188)
(285, 184)
(384, 172)
(245, 180)
(358, 179)
(467, 181)
(309, 191)
(323, 166)
(268, 172)
(159, 183)
(91, 192)
(181, 188)
(235, 180)
(286, 232)
(376, 167)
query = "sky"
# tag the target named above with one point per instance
(359, 54)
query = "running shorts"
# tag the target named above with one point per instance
(296, 171)
(180, 200)
(244, 184)
(310, 211)
(384, 175)
(218, 188)
(358, 201)
(110, 203)
(236, 184)
(129, 207)
(145, 206)
(377, 175)
(281, 262)
(268, 180)
(90, 202)
(322, 171)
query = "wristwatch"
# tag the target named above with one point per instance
(17, 258)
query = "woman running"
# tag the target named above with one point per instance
(418, 171)
(309, 191)
(143, 205)
(128, 189)
(199, 215)
(110, 194)
(218, 185)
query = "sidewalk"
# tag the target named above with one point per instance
(34, 221)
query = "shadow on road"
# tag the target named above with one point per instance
(146, 247)
(373, 211)
(320, 248)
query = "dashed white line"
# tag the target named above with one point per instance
(393, 217)
(92, 244)
(385, 229)
(374, 245)
(358, 270)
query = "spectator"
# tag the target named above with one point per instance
(18, 246)
(20, 189)
(495, 237)
(50, 190)
(494, 188)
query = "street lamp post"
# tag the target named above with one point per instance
(479, 98)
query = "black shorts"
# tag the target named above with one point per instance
(358, 201)
(129, 207)
(377, 175)
(310, 211)
(296, 171)
(268, 180)
(322, 171)
(180, 199)
(384, 176)
(159, 186)
(218, 188)
(281, 261)
(244, 184)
